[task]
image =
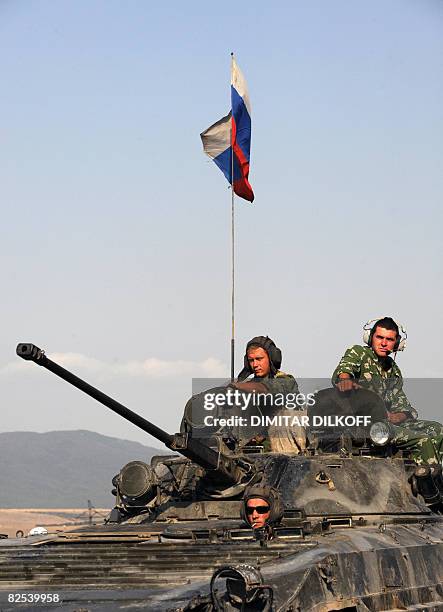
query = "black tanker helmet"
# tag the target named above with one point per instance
(274, 354)
(271, 496)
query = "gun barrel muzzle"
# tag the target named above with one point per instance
(29, 351)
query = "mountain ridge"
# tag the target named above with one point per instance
(63, 469)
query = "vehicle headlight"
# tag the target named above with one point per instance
(136, 483)
(381, 433)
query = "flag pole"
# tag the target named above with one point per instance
(232, 246)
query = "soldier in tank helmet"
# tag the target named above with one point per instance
(262, 361)
(260, 374)
(371, 367)
(262, 509)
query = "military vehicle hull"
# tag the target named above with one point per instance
(360, 530)
(382, 566)
(364, 544)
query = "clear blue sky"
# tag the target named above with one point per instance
(115, 226)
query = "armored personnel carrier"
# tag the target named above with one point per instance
(361, 527)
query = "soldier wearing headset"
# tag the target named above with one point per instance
(261, 373)
(371, 367)
(262, 362)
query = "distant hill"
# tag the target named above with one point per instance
(63, 469)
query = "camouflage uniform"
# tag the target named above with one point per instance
(423, 438)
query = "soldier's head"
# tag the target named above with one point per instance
(384, 337)
(257, 512)
(261, 506)
(258, 360)
(262, 358)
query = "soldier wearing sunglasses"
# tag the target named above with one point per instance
(257, 512)
(261, 506)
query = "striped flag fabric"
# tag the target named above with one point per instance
(228, 141)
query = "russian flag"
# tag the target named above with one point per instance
(231, 135)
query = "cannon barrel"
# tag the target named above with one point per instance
(221, 466)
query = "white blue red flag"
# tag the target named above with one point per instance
(228, 142)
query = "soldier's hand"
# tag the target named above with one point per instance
(257, 439)
(397, 417)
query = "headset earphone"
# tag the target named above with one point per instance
(369, 329)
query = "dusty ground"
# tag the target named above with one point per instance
(11, 520)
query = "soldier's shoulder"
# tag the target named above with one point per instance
(358, 349)
(281, 374)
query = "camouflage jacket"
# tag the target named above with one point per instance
(366, 368)
(280, 383)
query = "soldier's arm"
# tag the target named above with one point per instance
(400, 409)
(348, 369)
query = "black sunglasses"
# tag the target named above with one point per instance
(258, 509)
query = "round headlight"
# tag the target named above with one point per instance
(136, 483)
(380, 433)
